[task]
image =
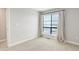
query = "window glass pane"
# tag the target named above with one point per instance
(55, 24)
(47, 31)
(55, 18)
(54, 31)
(47, 25)
(47, 18)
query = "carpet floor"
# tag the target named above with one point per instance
(43, 44)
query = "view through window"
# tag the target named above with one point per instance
(50, 23)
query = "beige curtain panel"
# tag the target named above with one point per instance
(61, 27)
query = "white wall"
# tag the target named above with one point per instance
(72, 25)
(23, 24)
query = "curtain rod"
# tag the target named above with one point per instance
(51, 11)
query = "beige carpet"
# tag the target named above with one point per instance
(43, 44)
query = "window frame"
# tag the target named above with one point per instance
(51, 27)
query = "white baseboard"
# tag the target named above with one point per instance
(71, 42)
(22, 41)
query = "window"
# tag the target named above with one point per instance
(50, 23)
